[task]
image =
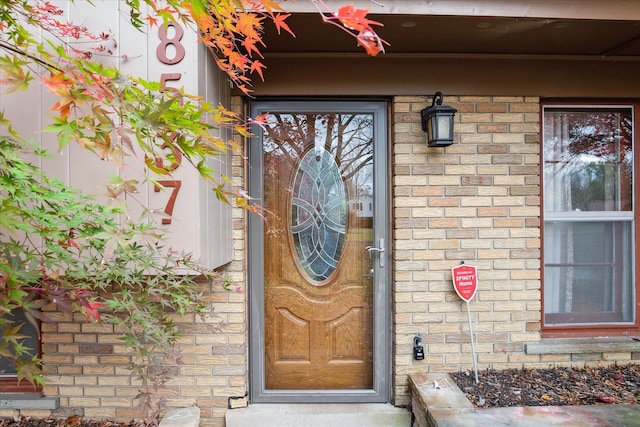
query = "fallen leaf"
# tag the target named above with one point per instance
(606, 399)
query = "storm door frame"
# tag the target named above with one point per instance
(381, 391)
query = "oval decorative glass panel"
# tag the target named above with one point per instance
(318, 214)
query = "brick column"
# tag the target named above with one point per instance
(476, 201)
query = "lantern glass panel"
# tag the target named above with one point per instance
(443, 126)
(430, 135)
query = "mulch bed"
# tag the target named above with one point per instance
(73, 421)
(552, 387)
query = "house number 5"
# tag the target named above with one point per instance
(170, 44)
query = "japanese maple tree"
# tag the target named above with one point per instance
(60, 246)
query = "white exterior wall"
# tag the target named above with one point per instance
(200, 224)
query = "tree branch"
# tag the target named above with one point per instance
(11, 48)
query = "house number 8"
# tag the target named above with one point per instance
(165, 42)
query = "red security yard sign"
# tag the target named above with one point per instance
(465, 281)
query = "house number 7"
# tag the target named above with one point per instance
(168, 209)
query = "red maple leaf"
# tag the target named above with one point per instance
(57, 82)
(91, 309)
(250, 46)
(248, 25)
(370, 41)
(354, 19)
(278, 21)
(257, 66)
(606, 399)
(151, 20)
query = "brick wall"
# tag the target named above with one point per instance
(88, 366)
(476, 201)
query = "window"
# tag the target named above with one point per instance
(8, 376)
(589, 220)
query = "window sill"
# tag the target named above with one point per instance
(583, 345)
(27, 401)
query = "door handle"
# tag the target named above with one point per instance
(380, 250)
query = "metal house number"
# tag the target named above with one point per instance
(170, 44)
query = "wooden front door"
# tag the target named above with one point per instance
(320, 260)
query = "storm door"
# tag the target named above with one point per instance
(319, 262)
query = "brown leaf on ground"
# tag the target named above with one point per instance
(552, 387)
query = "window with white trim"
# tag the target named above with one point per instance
(589, 221)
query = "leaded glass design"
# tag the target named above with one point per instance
(318, 214)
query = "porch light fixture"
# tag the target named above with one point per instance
(437, 122)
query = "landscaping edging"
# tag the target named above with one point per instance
(433, 393)
(438, 402)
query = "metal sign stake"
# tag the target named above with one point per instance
(473, 348)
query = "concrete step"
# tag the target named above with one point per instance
(182, 417)
(318, 415)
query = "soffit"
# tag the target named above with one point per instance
(567, 9)
(424, 35)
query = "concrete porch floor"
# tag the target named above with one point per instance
(436, 402)
(319, 415)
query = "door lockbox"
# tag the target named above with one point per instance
(418, 348)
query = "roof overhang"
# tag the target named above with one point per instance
(532, 47)
(560, 9)
(471, 34)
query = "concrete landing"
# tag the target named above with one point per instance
(319, 415)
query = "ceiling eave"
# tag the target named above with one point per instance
(554, 9)
(457, 55)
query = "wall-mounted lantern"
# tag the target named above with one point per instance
(437, 122)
